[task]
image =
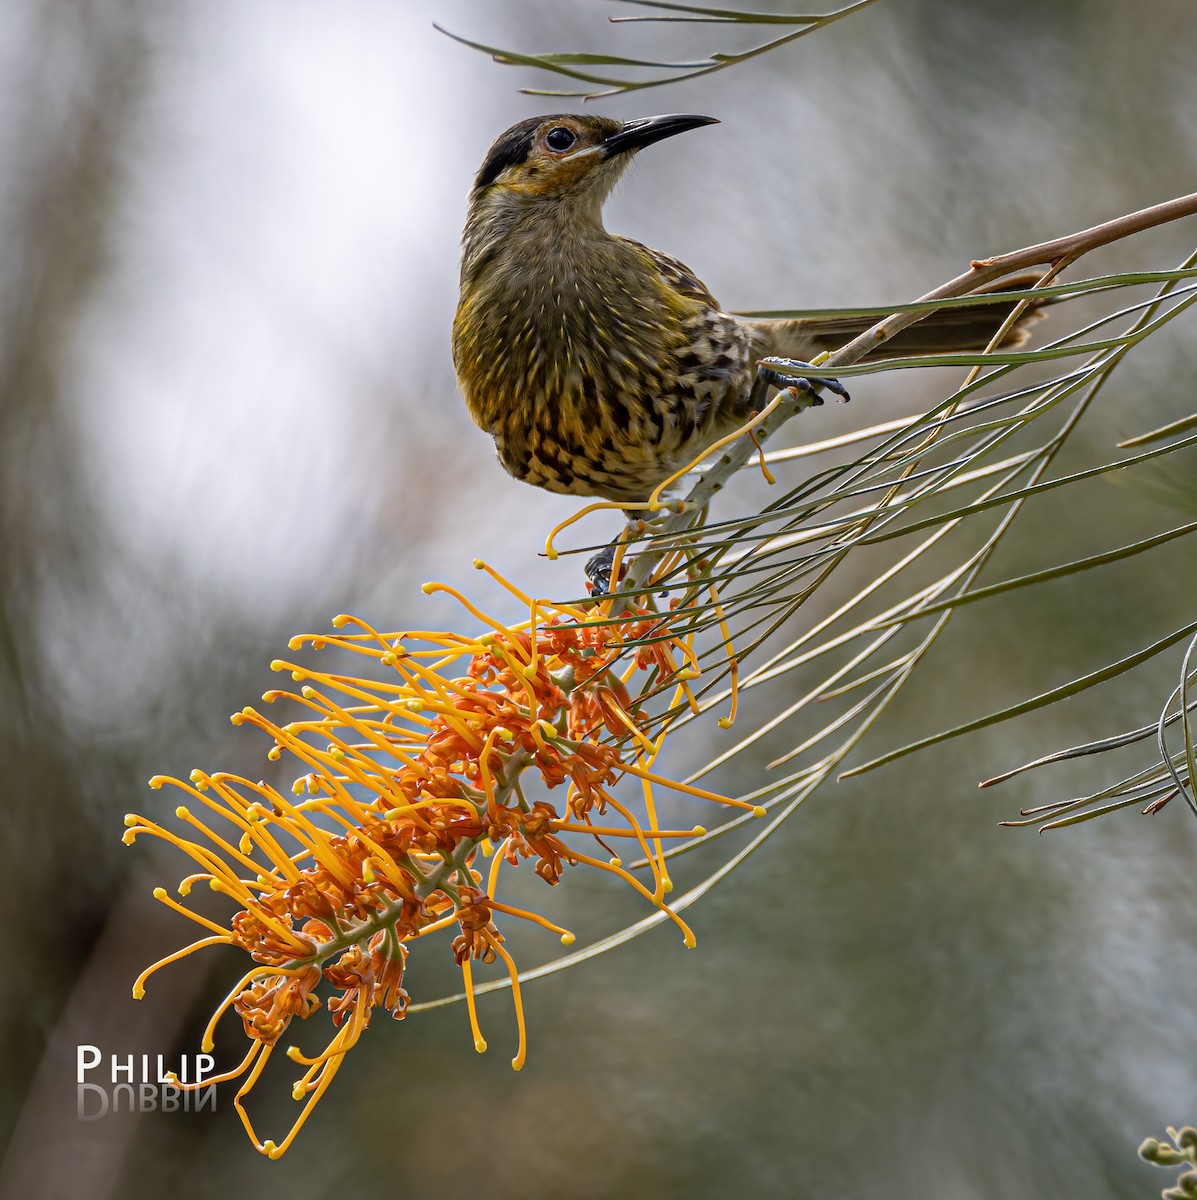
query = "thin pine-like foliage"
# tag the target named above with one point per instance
(636, 74)
(928, 499)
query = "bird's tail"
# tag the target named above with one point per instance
(943, 331)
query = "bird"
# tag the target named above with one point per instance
(601, 366)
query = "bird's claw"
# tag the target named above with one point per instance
(808, 383)
(598, 569)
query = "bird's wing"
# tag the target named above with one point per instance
(940, 332)
(677, 275)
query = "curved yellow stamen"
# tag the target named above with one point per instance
(654, 856)
(255, 1048)
(504, 582)
(551, 551)
(139, 983)
(770, 478)
(733, 667)
(467, 975)
(343, 619)
(304, 832)
(687, 933)
(567, 938)
(378, 740)
(676, 785)
(205, 858)
(430, 589)
(492, 879)
(613, 831)
(613, 706)
(654, 501)
(435, 926)
(263, 1057)
(521, 1055)
(484, 772)
(258, 828)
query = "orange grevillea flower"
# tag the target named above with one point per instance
(406, 785)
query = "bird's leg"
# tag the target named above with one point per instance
(600, 566)
(768, 376)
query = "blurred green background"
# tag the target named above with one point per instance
(227, 412)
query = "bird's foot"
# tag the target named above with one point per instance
(767, 372)
(599, 568)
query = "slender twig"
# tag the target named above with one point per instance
(986, 270)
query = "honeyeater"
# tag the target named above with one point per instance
(599, 365)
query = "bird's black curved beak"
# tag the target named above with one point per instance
(635, 135)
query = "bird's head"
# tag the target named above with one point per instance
(567, 154)
(561, 166)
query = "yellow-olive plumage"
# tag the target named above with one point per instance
(598, 365)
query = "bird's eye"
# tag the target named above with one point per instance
(559, 138)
